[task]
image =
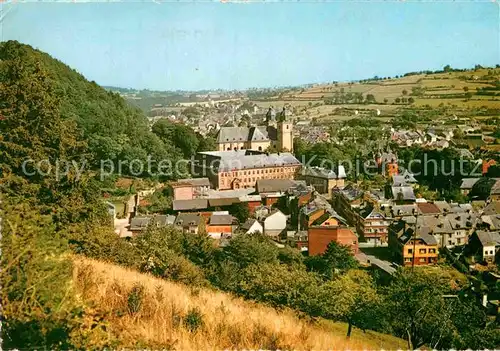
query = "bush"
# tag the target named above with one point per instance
(193, 320)
(135, 297)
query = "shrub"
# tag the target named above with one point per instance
(135, 298)
(193, 320)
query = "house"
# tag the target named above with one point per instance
(275, 224)
(346, 201)
(199, 186)
(182, 191)
(190, 222)
(243, 168)
(406, 178)
(372, 225)
(253, 201)
(403, 194)
(252, 226)
(324, 180)
(318, 238)
(413, 248)
(223, 202)
(220, 225)
(487, 244)
(467, 184)
(492, 208)
(140, 224)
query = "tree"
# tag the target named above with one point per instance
(240, 210)
(447, 68)
(468, 95)
(405, 92)
(466, 89)
(386, 100)
(411, 100)
(352, 298)
(416, 306)
(398, 100)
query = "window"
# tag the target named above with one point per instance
(422, 251)
(432, 251)
(422, 259)
(410, 251)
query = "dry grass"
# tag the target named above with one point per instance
(174, 316)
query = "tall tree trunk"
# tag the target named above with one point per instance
(349, 328)
(410, 346)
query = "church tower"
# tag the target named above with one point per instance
(285, 133)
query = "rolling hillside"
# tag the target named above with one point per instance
(173, 316)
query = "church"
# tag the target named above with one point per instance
(276, 133)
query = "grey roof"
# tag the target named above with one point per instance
(325, 173)
(403, 179)
(184, 219)
(488, 238)
(406, 191)
(139, 223)
(492, 208)
(195, 181)
(435, 224)
(241, 160)
(468, 183)
(274, 185)
(443, 206)
(194, 204)
(248, 224)
(422, 233)
(221, 219)
(461, 220)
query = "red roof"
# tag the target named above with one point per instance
(428, 208)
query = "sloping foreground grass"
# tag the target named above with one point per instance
(143, 311)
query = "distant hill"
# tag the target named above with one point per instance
(173, 316)
(112, 128)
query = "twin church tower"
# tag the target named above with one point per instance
(277, 134)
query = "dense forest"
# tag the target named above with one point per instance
(50, 112)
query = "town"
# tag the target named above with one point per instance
(249, 176)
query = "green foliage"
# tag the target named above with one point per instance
(239, 210)
(135, 298)
(248, 249)
(482, 189)
(193, 320)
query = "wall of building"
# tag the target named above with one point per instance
(320, 237)
(423, 255)
(248, 177)
(183, 193)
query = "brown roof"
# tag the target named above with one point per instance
(428, 208)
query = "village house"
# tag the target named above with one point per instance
(220, 225)
(140, 224)
(252, 226)
(346, 202)
(388, 162)
(413, 248)
(372, 225)
(192, 223)
(318, 238)
(275, 224)
(243, 168)
(485, 244)
(324, 180)
(199, 186)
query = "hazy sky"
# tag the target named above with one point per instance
(232, 46)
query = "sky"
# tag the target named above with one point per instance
(210, 45)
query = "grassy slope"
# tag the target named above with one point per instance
(228, 322)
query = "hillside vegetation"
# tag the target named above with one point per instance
(146, 311)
